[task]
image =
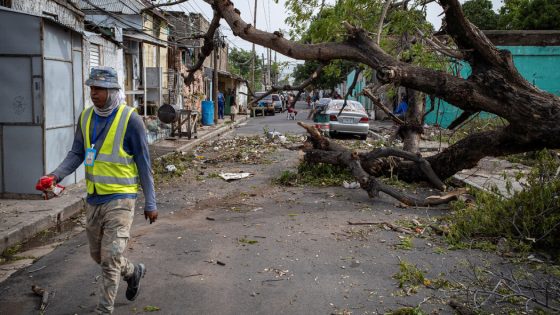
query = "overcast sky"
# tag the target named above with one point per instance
(271, 17)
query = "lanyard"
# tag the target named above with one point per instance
(95, 120)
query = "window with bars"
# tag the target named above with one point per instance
(6, 3)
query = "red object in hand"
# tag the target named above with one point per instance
(45, 183)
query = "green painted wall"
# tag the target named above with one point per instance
(539, 65)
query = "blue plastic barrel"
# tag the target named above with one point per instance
(207, 113)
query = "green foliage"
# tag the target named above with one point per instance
(10, 253)
(530, 15)
(319, 175)
(239, 62)
(151, 308)
(530, 219)
(406, 243)
(480, 13)
(331, 75)
(179, 160)
(409, 275)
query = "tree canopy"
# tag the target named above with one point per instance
(240, 61)
(480, 13)
(530, 15)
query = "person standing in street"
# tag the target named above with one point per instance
(221, 105)
(233, 107)
(111, 141)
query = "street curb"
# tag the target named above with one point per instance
(71, 204)
(220, 131)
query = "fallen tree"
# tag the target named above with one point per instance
(495, 86)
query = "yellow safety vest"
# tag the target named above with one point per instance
(114, 170)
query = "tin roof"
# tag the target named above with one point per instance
(115, 6)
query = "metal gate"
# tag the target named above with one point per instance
(41, 96)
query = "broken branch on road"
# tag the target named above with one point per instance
(319, 149)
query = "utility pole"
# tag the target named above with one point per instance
(263, 74)
(254, 55)
(268, 55)
(215, 77)
(276, 74)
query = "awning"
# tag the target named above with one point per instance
(144, 38)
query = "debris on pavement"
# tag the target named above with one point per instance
(151, 308)
(234, 176)
(44, 294)
(386, 225)
(220, 263)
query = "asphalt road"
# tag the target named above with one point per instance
(281, 250)
(279, 122)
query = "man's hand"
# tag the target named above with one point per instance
(46, 182)
(152, 215)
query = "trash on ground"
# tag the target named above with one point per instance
(234, 176)
(273, 134)
(44, 294)
(352, 185)
(171, 168)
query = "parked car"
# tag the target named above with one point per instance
(320, 118)
(272, 102)
(352, 121)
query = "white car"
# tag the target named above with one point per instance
(352, 121)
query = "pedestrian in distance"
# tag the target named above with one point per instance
(401, 109)
(233, 108)
(221, 105)
(111, 142)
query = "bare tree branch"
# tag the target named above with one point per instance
(453, 53)
(325, 151)
(206, 49)
(379, 104)
(358, 70)
(382, 19)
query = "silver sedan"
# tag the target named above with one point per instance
(352, 121)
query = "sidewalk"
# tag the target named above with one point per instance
(164, 147)
(20, 220)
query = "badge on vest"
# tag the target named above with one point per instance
(90, 156)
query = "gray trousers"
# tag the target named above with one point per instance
(108, 231)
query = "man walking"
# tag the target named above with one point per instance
(111, 139)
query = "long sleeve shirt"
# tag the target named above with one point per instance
(134, 143)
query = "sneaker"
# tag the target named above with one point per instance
(134, 282)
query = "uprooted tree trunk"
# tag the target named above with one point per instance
(412, 129)
(494, 86)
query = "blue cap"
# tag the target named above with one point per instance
(104, 77)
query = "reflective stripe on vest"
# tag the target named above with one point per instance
(114, 170)
(111, 180)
